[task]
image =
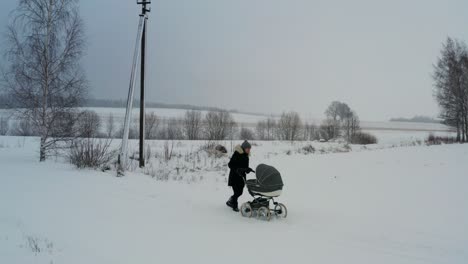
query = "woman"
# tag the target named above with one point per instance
(239, 165)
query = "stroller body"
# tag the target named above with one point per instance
(267, 186)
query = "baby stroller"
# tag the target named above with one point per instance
(267, 185)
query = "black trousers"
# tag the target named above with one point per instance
(238, 189)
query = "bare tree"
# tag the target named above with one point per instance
(192, 124)
(246, 134)
(174, 129)
(110, 126)
(451, 86)
(219, 125)
(337, 111)
(327, 129)
(88, 124)
(151, 125)
(340, 120)
(350, 125)
(310, 132)
(289, 126)
(64, 125)
(260, 130)
(43, 76)
(270, 127)
(336, 114)
(266, 129)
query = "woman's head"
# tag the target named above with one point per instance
(246, 147)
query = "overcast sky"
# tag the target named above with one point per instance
(275, 55)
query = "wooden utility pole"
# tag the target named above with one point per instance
(144, 11)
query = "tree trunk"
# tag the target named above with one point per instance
(466, 131)
(42, 150)
(463, 132)
(466, 126)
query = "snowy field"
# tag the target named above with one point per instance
(380, 204)
(250, 120)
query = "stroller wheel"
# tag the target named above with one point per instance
(264, 213)
(246, 210)
(281, 210)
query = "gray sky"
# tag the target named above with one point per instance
(275, 55)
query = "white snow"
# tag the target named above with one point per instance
(390, 205)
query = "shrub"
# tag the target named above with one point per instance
(438, 140)
(209, 145)
(309, 149)
(289, 126)
(363, 138)
(218, 125)
(328, 130)
(221, 149)
(88, 124)
(246, 134)
(168, 151)
(91, 153)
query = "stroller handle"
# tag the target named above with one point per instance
(245, 171)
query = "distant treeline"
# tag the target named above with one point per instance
(7, 102)
(416, 119)
(136, 103)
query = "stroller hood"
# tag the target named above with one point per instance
(268, 176)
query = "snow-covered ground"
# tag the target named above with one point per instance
(369, 205)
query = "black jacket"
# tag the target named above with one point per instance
(239, 160)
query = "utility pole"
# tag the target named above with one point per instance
(140, 43)
(144, 10)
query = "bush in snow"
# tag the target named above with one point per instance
(340, 120)
(437, 140)
(91, 153)
(221, 149)
(289, 126)
(218, 125)
(308, 149)
(88, 124)
(152, 122)
(168, 150)
(209, 145)
(363, 138)
(265, 130)
(214, 149)
(327, 130)
(192, 124)
(174, 129)
(310, 132)
(246, 134)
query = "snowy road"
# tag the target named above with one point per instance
(400, 205)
